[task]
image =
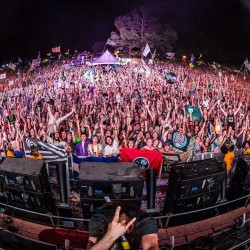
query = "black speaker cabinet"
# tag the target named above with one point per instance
(24, 182)
(27, 174)
(240, 183)
(106, 182)
(193, 185)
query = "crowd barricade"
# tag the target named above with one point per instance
(218, 156)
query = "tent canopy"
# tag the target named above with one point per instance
(105, 58)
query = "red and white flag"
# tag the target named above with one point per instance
(144, 158)
(56, 49)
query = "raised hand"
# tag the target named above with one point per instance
(118, 227)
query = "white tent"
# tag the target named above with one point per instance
(105, 58)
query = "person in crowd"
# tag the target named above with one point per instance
(95, 149)
(228, 159)
(35, 153)
(125, 113)
(247, 148)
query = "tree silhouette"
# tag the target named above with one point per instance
(138, 28)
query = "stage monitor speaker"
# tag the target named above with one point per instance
(198, 181)
(112, 171)
(106, 182)
(27, 174)
(240, 183)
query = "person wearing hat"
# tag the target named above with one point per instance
(35, 154)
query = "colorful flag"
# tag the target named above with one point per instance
(145, 158)
(180, 140)
(110, 42)
(56, 49)
(170, 54)
(49, 151)
(171, 77)
(146, 50)
(3, 76)
(89, 74)
(210, 129)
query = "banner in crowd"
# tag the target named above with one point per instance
(49, 151)
(78, 159)
(56, 49)
(171, 77)
(3, 76)
(170, 54)
(35, 63)
(146, 50)
(194, 112)
(145, 158)
(110, 42)
(180, 140)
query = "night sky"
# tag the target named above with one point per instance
(219, 29)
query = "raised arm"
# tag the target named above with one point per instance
(236, 112)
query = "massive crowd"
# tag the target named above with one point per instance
(129, 106)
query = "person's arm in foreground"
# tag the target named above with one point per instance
(115, 229)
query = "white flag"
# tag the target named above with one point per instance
(247, 64)
(35, 63)
(11, 83)
(200, 56)
(3, 76)
(170, 54)
(192, 59)
(12, 66)
(110, 42)
(146, 50)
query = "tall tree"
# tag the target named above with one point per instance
(138, 28)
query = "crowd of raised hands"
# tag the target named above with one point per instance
(129, 106)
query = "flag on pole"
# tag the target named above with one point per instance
(35, 63)
(12, 66)
(48, 151)
(56, 49)
(200, 56)
(170, 54)
(110, 42)
(247, 64)
(145, 158)
(3, 76)
(192, 59)
(146, 50)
